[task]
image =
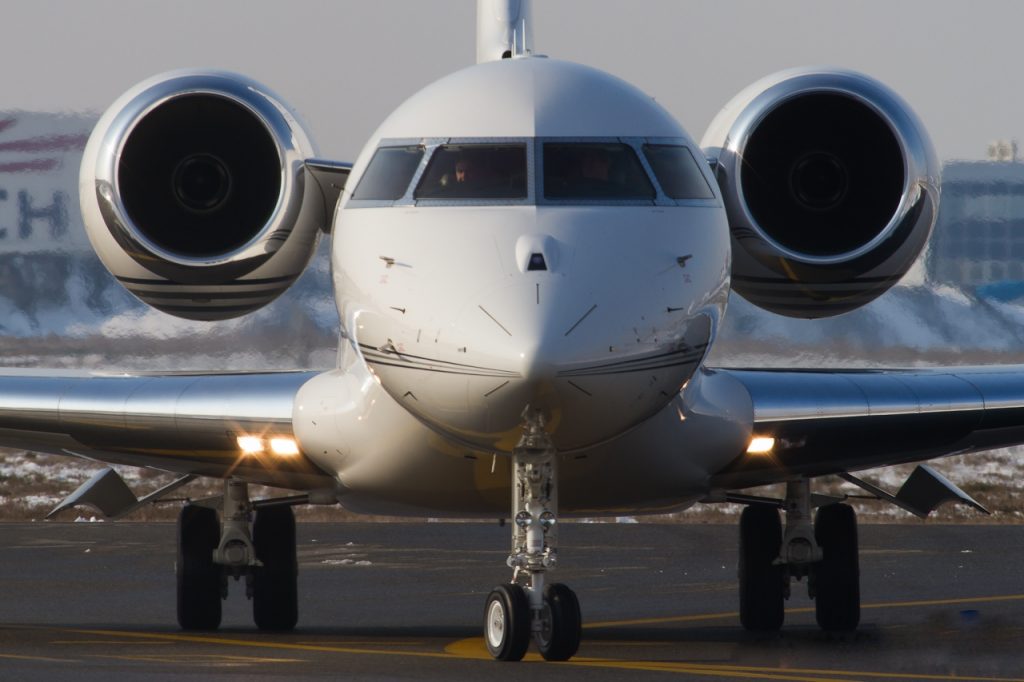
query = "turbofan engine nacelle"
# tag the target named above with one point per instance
(831, 185)
(195, 194)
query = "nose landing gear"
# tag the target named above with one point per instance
(550, 613)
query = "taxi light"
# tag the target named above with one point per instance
(284, 447)
(250, 445)
(761, 445)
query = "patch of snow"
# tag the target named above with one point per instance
(39, 500)
(346, 562)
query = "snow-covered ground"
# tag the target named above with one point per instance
(908, 326)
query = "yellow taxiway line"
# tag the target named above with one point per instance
(474, 649)
(45, 659)
(804, 609)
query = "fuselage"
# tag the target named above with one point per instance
(593, 304)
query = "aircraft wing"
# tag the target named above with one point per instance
(183, 423)
(835, 421)
(823, 421)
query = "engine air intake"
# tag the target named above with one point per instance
(822, 173)
(200, 176)
(831, 186)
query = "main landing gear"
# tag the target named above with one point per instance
(529, 606)
(825, 553)
(265, 555)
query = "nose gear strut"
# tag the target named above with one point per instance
(529, 606)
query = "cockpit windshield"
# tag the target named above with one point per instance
(475, 171)
(677, 172)
(389, 173)
(594, 171)
(540, 171)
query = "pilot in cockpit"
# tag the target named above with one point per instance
(487, 171)
(462, 177)
(463, 171)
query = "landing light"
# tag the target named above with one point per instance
(284, 447)
(281, 446)
(761, 445)
(250, 445)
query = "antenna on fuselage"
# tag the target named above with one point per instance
(503, 29)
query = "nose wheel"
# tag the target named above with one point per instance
(507, 623)
(558, 638)
(528, 607)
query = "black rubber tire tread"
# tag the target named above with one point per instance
(516, 608)
(837, 575)
(198, 578)
(762, 584)
(275, 589)
(566, 623)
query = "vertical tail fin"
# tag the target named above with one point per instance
(503, 29)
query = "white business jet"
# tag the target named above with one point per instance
(531, 260)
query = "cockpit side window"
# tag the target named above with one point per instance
(389, 172)
(475, 171)
(677, 172)
(594, 171)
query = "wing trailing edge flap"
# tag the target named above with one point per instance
(924, 491)
(107, 493)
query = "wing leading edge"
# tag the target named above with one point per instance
(823, 422)
(183, 423)
(827, 422)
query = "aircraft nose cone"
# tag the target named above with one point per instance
(538, 363)
(573, 364)
(588, 365)
(532, 335)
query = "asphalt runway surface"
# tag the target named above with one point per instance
(405, 601)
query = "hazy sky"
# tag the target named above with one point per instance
(344, 64)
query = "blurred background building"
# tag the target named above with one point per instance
(978, 242)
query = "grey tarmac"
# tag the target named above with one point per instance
(95, 601)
